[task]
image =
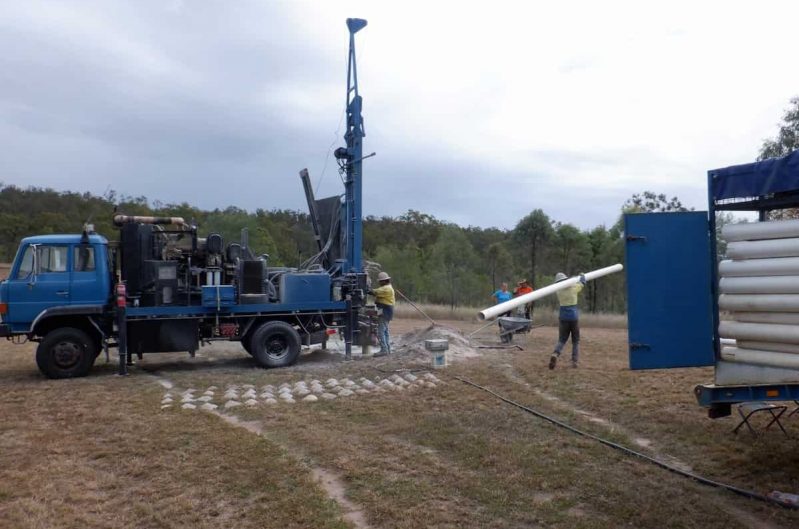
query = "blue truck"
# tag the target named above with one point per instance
(673, 286)
(163, 288)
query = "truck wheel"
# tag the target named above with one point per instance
(275, 344)
(65, 353)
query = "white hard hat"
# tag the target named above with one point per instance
(560, 276)
(382, 276)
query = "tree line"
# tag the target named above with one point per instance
(429, 259)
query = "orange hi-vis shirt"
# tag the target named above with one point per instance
(520, 291)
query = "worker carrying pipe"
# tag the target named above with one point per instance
(567, 290)
(497, 310)
(568, 320)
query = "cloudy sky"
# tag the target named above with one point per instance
(478, 112)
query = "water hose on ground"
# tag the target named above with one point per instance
(629, 451)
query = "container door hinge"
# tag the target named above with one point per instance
(636, 238)
(634, 346)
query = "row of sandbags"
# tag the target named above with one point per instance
(759, 288)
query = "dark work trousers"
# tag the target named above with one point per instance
(565, 329)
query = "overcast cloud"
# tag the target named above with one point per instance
(479, 112)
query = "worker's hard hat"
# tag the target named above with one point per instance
(560, 276)
(382, 276)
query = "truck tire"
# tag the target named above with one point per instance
(66, 353)
(275, 344)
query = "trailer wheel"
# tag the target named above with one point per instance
(65, 353)
(275, 344)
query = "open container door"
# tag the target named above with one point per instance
(669, 300)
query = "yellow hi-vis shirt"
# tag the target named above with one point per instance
(568, 296)
(384, 295)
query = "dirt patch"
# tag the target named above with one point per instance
(337, 492)
(254, 427)
(749, 520)
(329, 481)
(459, 346)
(540, 498)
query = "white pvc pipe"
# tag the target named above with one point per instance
(753, 231)
(759, 302)
(502, 308)
(761, 332)
(769, 346)
(778, 266)
(785, 318)
(758, 357)
(759, 285)
(763, 249)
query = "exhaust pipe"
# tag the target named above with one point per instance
(119, 220)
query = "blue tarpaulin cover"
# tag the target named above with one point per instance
(775, 175)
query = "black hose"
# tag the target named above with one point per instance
(630, 451)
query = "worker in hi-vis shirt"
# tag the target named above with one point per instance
(568, 320)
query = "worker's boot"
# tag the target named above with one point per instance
(381, 352)
(553, 361)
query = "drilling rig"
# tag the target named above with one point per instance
(164, 288)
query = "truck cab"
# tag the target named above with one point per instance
(54, 275)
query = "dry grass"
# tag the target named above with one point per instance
(445, 457)
(97, 452)
(542, 316)
(457, 457)
(437, 312)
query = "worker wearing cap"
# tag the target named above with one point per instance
(522, 288)
(569, 320)
(384, 299)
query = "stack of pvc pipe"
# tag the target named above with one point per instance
(759, 287)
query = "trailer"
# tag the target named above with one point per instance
(164, 288)
(674, 288)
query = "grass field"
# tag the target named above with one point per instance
(100, 451)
